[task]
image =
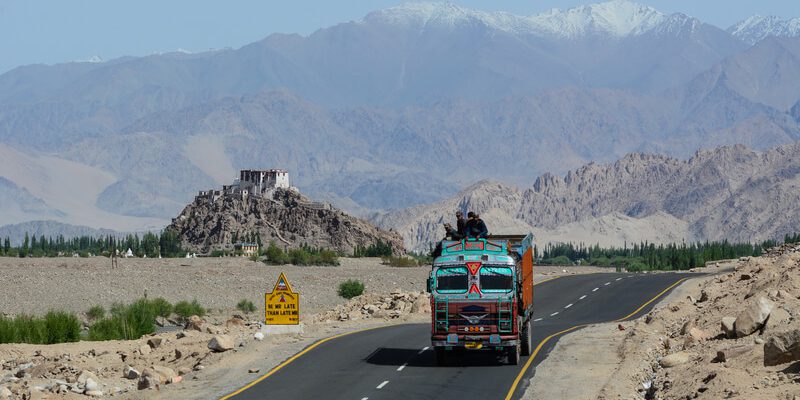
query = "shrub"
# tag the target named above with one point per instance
(29, 329)
(54, 327)
(299, 257)
(275, 255)
(61, 327)
(246, 306)
(107, 329)
(185, 309)
(401, 262)
(560, 260)
(351, 288)
(161, 307)
(7, 331)
(379, 249)
(96, 313)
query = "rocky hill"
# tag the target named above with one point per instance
(728, 193)
(288, 218)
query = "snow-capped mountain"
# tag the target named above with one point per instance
(756, 28)
(616, 18)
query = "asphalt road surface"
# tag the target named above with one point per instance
(396, 363)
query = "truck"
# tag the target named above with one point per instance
(482, 297)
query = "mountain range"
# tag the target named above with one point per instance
(405, 106)
(729, 193)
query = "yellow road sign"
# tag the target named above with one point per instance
(282, 305)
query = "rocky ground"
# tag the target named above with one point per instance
(734, 334)
(207, 357)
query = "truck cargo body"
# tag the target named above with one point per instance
(482, 296)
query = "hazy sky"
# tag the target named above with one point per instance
(38, 31)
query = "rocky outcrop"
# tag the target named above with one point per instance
(288, 218)
(782, 348)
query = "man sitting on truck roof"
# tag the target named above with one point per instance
(476, 228)
(461, 225)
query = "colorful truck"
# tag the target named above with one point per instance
(482, 297)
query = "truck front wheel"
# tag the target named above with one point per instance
(526, 338)
(441, 356)
(513, 354)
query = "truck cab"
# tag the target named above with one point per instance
(482, 296)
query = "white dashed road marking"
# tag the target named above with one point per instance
(595, 289)
(384, 383)
(400, 368)
(554, 314)
(607, 283)
(618, 279)
(423, 350)
(537, 320)
(582, 297)
(568, 305)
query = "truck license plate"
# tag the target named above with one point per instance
(473, 345)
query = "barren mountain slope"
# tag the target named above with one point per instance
(728, 193)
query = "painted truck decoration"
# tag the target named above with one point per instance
(482, 296)
(282, 305)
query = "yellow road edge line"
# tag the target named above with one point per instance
(651, 300)
(544, 341)
(295, 357)
(546, 280)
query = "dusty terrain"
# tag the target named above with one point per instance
(182, 365)
(730, 335)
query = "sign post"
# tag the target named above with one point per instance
(282, 306)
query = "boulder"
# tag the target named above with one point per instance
(155, 342)
(686, 327)
(728, 329)
(674, 359)
(157, 375)
(145, 349)
(753, 317)
(234, 323)
(422, 305)
(731, 352)
(258, 336)
(147, 382)
(5, 393)
(782, 348)
(85, 375)
(91, 385)
(161, 321)
(220, 343)
(696, 334)
(777, 317)
(195, 323)
(130, 373)
(93, 393)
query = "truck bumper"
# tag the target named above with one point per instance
(486, 342)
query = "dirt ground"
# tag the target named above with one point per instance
(35, 286)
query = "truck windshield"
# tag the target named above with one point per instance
(496, 279)
(452, 280)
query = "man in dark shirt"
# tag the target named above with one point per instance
(461, 227)
(476, 228)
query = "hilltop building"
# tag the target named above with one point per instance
(251, 182)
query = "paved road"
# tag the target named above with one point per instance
(395, 363)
